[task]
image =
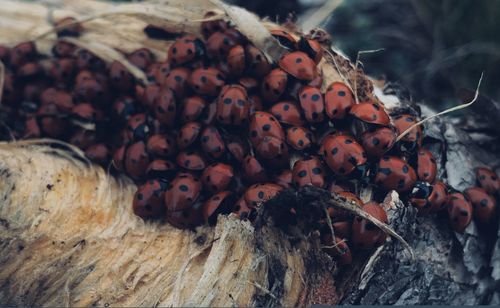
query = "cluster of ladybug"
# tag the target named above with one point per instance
(220, 128)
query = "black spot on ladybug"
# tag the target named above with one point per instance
(374, 117)
(401, 183)
(260, 195)
(183, 187)
(426, 174)
(376, 106)
(140, 196)
(334, 151)
(300, 142)
(286, 107)
(178, 78)
(484, 202)
(315, 97)
(405, 169)
(253, 134)
(335, 111)
(316, 170)
(298, 60)
(227, 101)
(482, 177)
(385, 171)
(409, 119)
(302, 173)
(375, 141)
(348, 141)
(494, 178)
(353, 161)
(241, 102)
(203, 79)
(464, 213)
(266, 127)
(187, 162)
(341, 93)
(341, 170)
(189, 51)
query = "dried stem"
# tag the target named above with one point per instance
(358, 61)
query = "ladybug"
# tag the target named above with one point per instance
(161, 146)
(237, 148)
(413, 139)
(50, 123)
(124, 107)
(337, 214)
(264, 124)
(338, 100)
(253, 170)
(243, 211)
(338, 249)
(161, 169)
(62, 70)
(232, 105)
(206, 81)
(284, 38)
(22, 53)
(488, 180)
(484, 205)
(343, 154)
(83, 75)
(429, 198)
(138, 127)
(120, 77)
(29, 71)
(149, 200)
(147, 95)
(157, 72)
(308, 171)
(85, 60)
(393, 173)
(62, 99)
(63, 49)
(369, 112)
(211, 142)
(426, 166)
(274, 150)
(192, 108)
(219, 44)
(287, 112)
(236, 60)
(312, 48)
(211, 26)
(311, 101)
(378, 140)
(165, 107)
(188, 134)
(68, 26)
(136, 160)
(260, 193)
(84, 113)
(89, 90)
(284, 178)
(191, 160)
(177, 80)
(185, 49)
(299, 65)
(98, 153)
(459, 211)
(249, 83)
(82, 138)
(299, 138)
(217, 177)
(142, 58)
(190, 217)
(256, 61)
(274, 85)
(343, 229)
(182, 193)
(365, 234)
(221, 203)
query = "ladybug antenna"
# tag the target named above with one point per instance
(476, 95)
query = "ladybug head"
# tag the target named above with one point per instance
(421, 190)
(361, 172)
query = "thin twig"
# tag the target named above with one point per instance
(258, 286)
(320, 15)
(330, 225)
(476, 95)
(358, 61)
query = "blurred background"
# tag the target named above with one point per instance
(435, 48)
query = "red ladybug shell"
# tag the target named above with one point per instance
(337, 214)
(439, 196)
(483, 204)
(257, 63)
(311, 101)
(89, 90)
(459, 211)
(426, 166)
(395, 174)
(217, 177)
(148, 200)
(158, 71)
(236, 60)
(312, 48)
(98, 153)
(120, 77)
(84, 112)
(211, 142)
(242, 210)
(299, 65)
(284, 38)
(188, 134)
(249, 83)
(284, 178)
(165, 107)
(338, 100)
(119, 158)
(299, 138)
(212, 26)
(287, 112)
(62, 49)
(191, 217)
(136, 160)
(369, 112)
(142, 58)
(138, 128)
(206, 81)
(62, 70)
(488, 180)
(220, 203)
(343, 154)
(31, 129)
(378, 141)
(62, 99)
(87, 60)
(273, 149)
(22, 52)
(254, 171)
(183, 191)
(308, 171)
(263, 124)
(161, 146)
(68, 26)
(219, 44)
(365, 234)
(162, 169)
(429, 198)
(29, 70)
(238, 149)
(185, 49)
(403, 122)
(232, 105)
(124, 108)
(338, 249)
(259, 193)
(274, 85)
(177, 81)
(191, 160)
(192, 108)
